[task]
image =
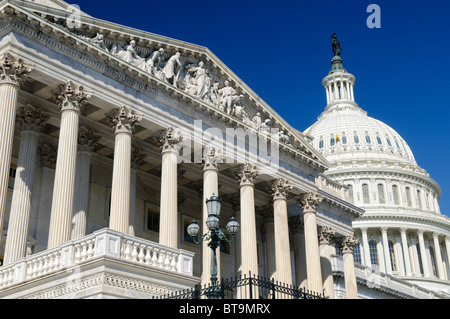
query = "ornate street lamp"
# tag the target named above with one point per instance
(215, 236)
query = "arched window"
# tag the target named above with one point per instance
(381, 197)
(366, 195)
(356, 139)
(408, 197)
(379, 140)
(321, 144)
(420, 258)
(373, 253)
(396, 143)
(392, 255)
(395, 195)
(350, 193)
(368, 139)
(357, 254)
(344, 139)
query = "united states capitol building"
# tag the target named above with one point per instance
(113, 139)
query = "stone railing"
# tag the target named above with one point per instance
(333, 187)
(383, 282)
(104, 243)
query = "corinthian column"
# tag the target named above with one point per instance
(211, 162)
(30, 120)
(298, 233)
(308, 203)
(70, 99)
(247, 177)
(168, 224)
(123, 121)
(13, 73)
(280, 189)
(249, 254)
(325, 236)
(351, 288)
(87, 141)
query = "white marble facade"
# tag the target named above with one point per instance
(122, 125)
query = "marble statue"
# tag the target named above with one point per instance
(99, 41)
(200, 77)
(171, 70)
(227, 95)
(153, 63)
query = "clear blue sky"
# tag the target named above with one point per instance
(281, 49)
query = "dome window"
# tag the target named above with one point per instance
(356, 139)
(344, 139)
(396, 143)
(368, 139)
(381, 197)
(395, 195)
(332, 141)
(379, 140)
(321, 144)
(389, 141)
(366, 196)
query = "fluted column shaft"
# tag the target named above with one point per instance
(387, 254)
(351, 287)
(87, 141)
(367, 258)
(281, 189)
(309, 202)
(249, 253)
(301, 278)
(423, 254)
(210, 187)
(12, 75)
(64, 184)
(325, 237)
(168, 223)
(16, 242)
(80, 205)
(123, 121)
(30, 120)
(438, 256)
(270, 247)
(406, 252)
(71, 100)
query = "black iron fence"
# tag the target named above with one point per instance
(245, 287)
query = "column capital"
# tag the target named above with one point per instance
(436, 235)
(247, 174)
(280, 188)
(403, 230)
(211, 158)
(169, 140)
(71, 97)
(30, 118)
(364, 230)
(348, 244)
(87, 140)
(325, 234)
(420, 232)
(123, 119)
(309, 201)
(13, 70)
(384, 229)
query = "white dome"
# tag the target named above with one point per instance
(345, 132)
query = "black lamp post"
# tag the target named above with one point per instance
(215, 236)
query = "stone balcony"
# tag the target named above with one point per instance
(104, 264)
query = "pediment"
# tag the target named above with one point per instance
(182, 70)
